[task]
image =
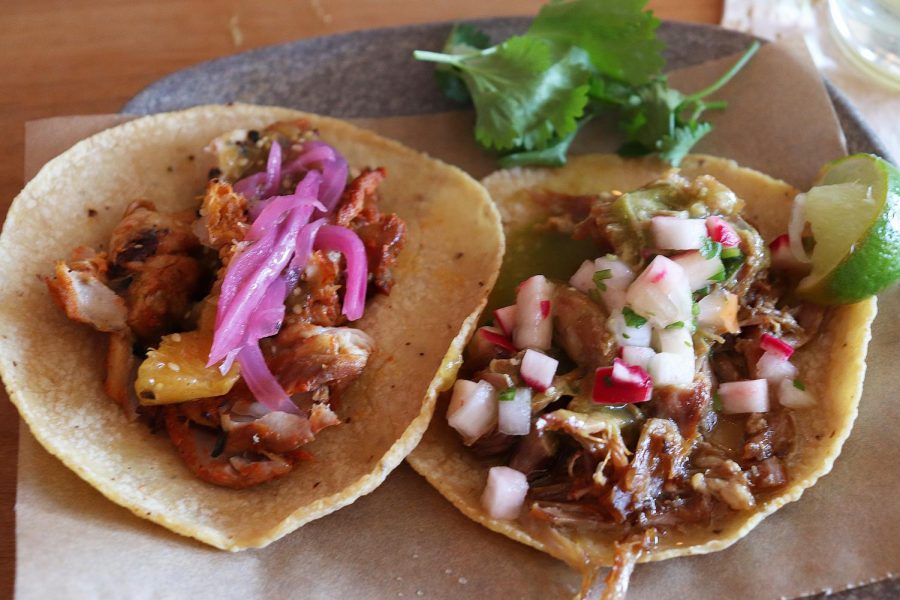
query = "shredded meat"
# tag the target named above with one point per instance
(223, 216)
(120, 372)
(161, 293)
(493, 443)
(315, 299)
(580, 328)
(768, 474)
(534, 452)
(687, 407)
(383, 239)
(358, 195)
(769, 434)
(726, 482)
(306, 357)
(143, 232)
(80, 290)
(627, 554)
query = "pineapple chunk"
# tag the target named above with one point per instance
(177, 371)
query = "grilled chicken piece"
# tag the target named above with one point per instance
(383, 239)
(306, 357)
(580, 328)
(84, 297)
(223, 216)
(160, 295)
(358, 195)
(120, 372)
(144, 232)
(315, 300)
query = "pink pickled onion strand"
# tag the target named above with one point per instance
(265, 183)
(345, 241)
(229, 333)
(276, 206)
(273, 171)
(304, 247)
(242, 266)
(228, 361)
(250, 187)
(266, 319)
(263, 385)
(332, 165)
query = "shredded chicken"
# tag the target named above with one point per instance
(223, 216)
(84, 297)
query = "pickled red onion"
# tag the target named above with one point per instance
(263, 385)
(345, 241)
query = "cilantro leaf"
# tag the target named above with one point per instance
(507, 395)
(599, 276)
(463, 39)
(799, 385)
(632, 319)
(619, 36)
(554, 155)
(526, 91)
(675, 325)
(709, 249)
(717, 402)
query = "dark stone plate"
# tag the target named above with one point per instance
(376, 66)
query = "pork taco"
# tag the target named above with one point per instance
(232, 320)
(650, 387)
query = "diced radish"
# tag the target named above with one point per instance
(505, 319)
(514, 416)
(504, 494)
(718, 311)
(782, 257)
(538, 369)
(699, 270)
(774, 368)
(791, 396)
(661, 293)
(676, 341)
(778, 347)
(675, 233)
(617, 283)
(626, 335)
(637, 356)
(496, 337)
(744, 396)
(667, 368)
(583, 279)
(621, 384)
(473, 409)
(721, 231)
(534, 327)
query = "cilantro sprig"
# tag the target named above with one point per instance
(534, 93)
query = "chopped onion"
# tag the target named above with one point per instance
(744, 396)
(795, 229)
(496, 337)
(661, 293)
(699, 270)
(263, 385)
(778, 347)
(345, 241)
(791, 396)
(505, 319)
(621, 384)
(774, 368)
(667, 368)
(617, 284)
(504, 494)
(473, 409)
(676, 341)
(538, 369)
(533, 329)
(721, 231)
(718, 311)
(583, 279)
(514, 416)
(638, 356)
(675, 233)
(625, 334)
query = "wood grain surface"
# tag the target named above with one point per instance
(66, 57)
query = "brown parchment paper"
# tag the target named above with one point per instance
(404, 540)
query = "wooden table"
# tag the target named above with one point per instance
(65, 57)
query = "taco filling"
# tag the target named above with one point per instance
(652, 392)
(229, 325)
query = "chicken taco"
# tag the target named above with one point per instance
(235, 319)
(650, 386)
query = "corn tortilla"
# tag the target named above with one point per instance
(833, 365)
(53, 368)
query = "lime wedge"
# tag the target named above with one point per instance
(854, 213)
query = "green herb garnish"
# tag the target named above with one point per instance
(599, 276)
(717, 277)
(579, 58)
(632, 319)
(732, 259)
(731, 253)
(695, 308)
(675, 325)
(799, 385)
(709, 249)
(717, 402)
(507, 395)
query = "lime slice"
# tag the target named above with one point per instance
(855, 217)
